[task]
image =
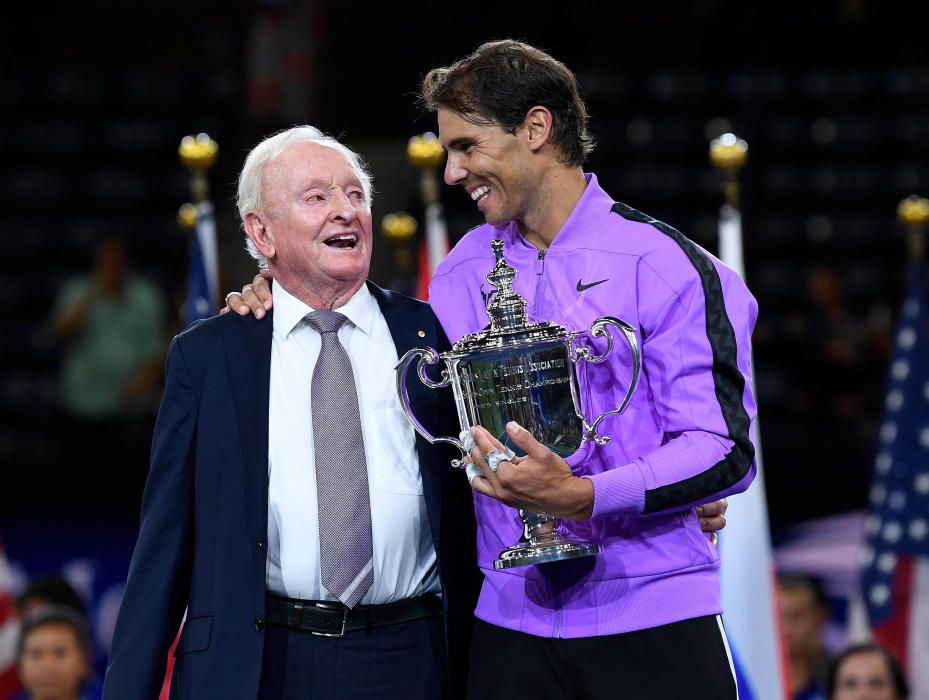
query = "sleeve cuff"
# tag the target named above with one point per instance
(618, 491)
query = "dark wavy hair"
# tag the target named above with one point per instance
(901, 687)
(501, 81)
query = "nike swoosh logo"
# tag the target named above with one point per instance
(585, 287)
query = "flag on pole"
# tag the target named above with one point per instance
(434, 247)
(9, 633)
(203, 273)
(750, 607)
(895, 558)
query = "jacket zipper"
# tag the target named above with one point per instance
(540, 268)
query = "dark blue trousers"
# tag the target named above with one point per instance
(404, 661)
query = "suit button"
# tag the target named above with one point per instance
(261, 546)
(259, 624)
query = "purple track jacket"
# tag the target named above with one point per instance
(683, 441)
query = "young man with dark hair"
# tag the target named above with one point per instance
(643, 618)
(497, 85)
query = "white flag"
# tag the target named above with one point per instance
(751, 612)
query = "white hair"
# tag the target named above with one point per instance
(250, 179)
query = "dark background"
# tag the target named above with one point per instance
(833, 98)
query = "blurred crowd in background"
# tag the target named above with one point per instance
(832, 98)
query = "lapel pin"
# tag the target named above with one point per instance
(421, 334)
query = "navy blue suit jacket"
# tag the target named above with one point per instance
(203, 536)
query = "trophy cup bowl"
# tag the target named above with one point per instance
(516, 371)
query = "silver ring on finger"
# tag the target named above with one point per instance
(467, 439)
(494, 457)
(229, 295)
(473, 472)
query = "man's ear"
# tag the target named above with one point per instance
(257, 230)
(539, 125)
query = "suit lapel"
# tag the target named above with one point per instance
(248, 360)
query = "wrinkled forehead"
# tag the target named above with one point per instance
(313, 156)
(303, 163)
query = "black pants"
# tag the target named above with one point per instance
(682, 661)
(404, 661)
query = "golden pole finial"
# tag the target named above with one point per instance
(399, 228)
(198, 154)
(187, 216)
(914, 213)
(729, 153)
(426, 153)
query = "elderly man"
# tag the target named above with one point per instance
(319, 548)
(642, 619)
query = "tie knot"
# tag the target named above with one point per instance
(326, 321)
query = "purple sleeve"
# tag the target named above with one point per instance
(697, 373)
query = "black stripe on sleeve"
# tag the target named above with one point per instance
(727, 379)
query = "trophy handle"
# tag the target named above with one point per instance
(597, 329)
(427, 356)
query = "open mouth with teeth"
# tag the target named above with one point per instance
(480, 193)
(344, 240)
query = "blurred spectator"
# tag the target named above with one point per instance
(54, 590)
(866, 672)
(113, 323)
(54, 654)
(803, 615)
(834, 368)
(836, 352)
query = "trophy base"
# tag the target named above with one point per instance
(541, 550)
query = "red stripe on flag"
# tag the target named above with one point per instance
(779, 630)
(425, 272)
(895, 632)
(6, 606)
(9, 683)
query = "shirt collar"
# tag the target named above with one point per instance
(587, 214)
(289, 310)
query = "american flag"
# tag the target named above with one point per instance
(9, 633)
(895, 558)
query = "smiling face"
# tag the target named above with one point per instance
(314, 226)
(494, 167)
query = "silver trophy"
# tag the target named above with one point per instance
(526, 373)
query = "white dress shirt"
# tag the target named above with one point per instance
(404, 556)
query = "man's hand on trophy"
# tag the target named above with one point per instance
(254, 298)
(540, 481)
